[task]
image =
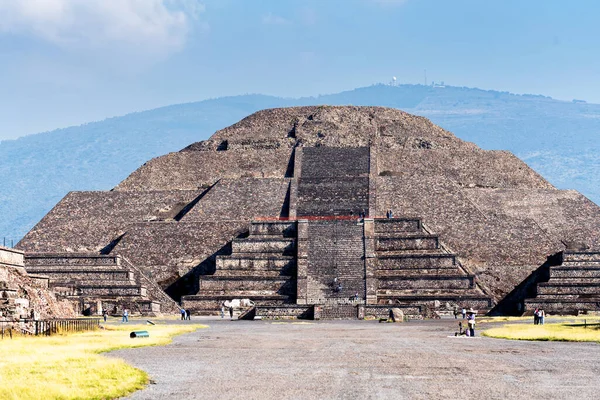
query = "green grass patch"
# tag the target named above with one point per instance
(563, 332)
(71, 366)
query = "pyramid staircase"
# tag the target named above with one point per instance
(261, 267)
(573, 287)
(413, 268)
(94, 282)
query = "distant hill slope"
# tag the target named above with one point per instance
(558, 139)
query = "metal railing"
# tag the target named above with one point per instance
(57, 326)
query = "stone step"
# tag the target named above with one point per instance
(286, 311)
(392, 273)
(255, 273)
(35, 269)
(418, 282)
(100, 290)
(70, 260)
(574, 272)
(252, 296)
(580, 256)
(397, 242)
(115, 305)
(576, 281)
(574, 289)
(281, 285)
(391, 225)
(383, 311)
(264, 244)
(104, 275)
(211, 304)
(243, 294)
(580, 263)
(255, 261)
(566, 296)
(563, 305)
(333, 312)
(427, 292)
(475, 300)
(275, 228)
(414, 260)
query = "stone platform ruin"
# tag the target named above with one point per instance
(25, 297)
(288, 208)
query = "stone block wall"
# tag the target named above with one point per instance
(97, 218)
(192, 170)
(469, 168)
(241, 199)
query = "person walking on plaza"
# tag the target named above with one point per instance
(104, 314)
(188, 315)
(536, 317)
(125, 315)
(231, 312)
(464, 313)
(222, 311)
(541, 316)
(182, 314)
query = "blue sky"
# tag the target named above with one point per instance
(67, 62)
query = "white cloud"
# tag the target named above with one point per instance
(272, 19)
(156, 26)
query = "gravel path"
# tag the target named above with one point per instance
(362, 360)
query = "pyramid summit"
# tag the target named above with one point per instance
(330, 212)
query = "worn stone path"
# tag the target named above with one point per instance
(361, 360)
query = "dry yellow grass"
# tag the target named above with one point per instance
(71, 366)
(571, 331)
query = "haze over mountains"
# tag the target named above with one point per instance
(559, 139)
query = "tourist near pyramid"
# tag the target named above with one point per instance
(325, 212)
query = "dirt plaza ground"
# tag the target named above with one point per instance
(361, 360)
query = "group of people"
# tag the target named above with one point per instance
(336, 285)
(186, 315)
(230, 308)
(389, 214)
(538, 316)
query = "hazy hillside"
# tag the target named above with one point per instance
(556, 138)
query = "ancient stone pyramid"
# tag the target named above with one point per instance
(271, 209)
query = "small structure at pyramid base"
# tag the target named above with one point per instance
(95, 284)
(328, 212)
(25, 298)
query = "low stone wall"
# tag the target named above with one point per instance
(71, 260)
(425, 282)
(211, 305)
(375, 311)
(422, 242)
(11, 257)
(285, 312)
